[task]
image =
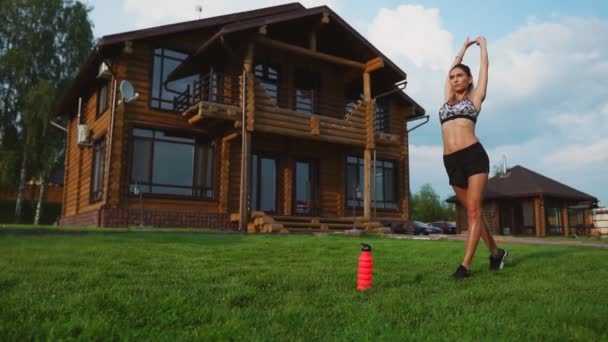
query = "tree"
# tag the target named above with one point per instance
(42, 43)
(427, 207)
(497, 170)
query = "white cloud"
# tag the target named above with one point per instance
(148, 13)
(578, 156)
(546, 108)
(413, 32)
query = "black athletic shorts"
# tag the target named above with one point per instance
(469, 161)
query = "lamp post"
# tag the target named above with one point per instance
(137, 192)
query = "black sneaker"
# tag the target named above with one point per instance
(461, 273)
(498, 262)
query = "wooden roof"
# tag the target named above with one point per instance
(521, 182)
(227, 24)
(111, 44)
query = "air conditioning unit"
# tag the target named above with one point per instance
(84, 135)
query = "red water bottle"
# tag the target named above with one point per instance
(366, 265)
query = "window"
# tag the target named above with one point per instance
(163, 92)
(270, 79)
(102, 97)
(99, 157)
(386, 184)
(307, 91)
(553, 217)
(171, 164)
(381, 115)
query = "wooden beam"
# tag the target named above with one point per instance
(374, 64)
(314, 125)
(367, 183)
(195, 119)
(313, 41)
(325, 18)
(307, 52)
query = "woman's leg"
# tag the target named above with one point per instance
(461, 193)
(473, 200)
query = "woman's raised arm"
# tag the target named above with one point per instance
(448, 93)
(479, 93)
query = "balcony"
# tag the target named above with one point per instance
(215, 95)
(309, 114)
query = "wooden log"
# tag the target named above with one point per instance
(304, 128)
(307, 52)
(314, 125)
(295, 133)
(374, 64)
(367, 182)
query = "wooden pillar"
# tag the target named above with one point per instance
(403, 170)
(367, 154)
(313, 41)
(225, 171)
(537, 217)
(288, 186)
(249, 109)
(565, 221)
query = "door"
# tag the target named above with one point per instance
(263, 184)
(305, 188)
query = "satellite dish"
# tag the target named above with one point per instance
(127, 92)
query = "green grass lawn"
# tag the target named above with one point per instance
(159, 285)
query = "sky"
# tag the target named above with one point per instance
(547, 102)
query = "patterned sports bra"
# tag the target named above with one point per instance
(461, 109)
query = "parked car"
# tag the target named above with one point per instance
(397, 226)
(445, 226)
(422, 228)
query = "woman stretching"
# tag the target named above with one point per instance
(465, 160)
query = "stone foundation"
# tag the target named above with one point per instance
(128, 217)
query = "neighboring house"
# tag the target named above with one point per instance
(523, 202)
(320, 102)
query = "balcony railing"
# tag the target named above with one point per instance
(308, 100)
(213, 87)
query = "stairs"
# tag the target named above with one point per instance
(265, 223)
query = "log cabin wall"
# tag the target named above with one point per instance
(280, 133)
(79, 159)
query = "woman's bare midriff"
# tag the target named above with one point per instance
(458, 134)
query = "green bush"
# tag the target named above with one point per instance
(50, 212)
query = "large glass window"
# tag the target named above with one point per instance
(263, 183)
(270, 79)
(171, 164)
(553, 217)
(386, 183)
(163, 92)
(99, 158)
(307, 91)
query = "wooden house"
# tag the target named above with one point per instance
(277, 119)
(523, 202)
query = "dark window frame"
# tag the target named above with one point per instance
(161, 53)
(198, 140)
(98, 166)
(258, 166)
(386, 205)
(315, 191)
(316, 89)
(382, 115)
(103, 96)
(265, 77)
